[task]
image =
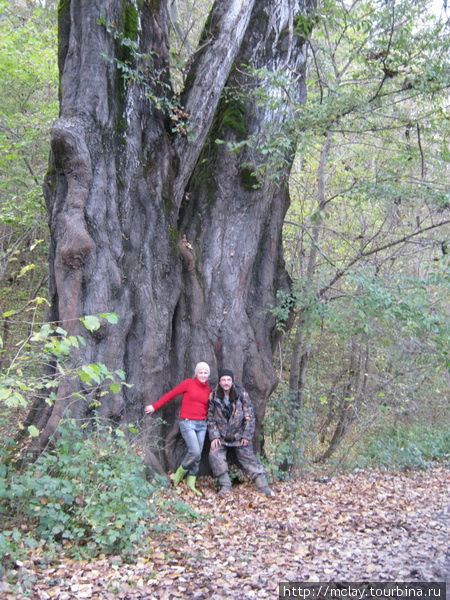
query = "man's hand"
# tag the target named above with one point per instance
(215, 444)
(149, 409)
(244, 442)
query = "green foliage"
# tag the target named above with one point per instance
(88, 494)
(286, 436)
(406, 305)
(363, 236)
(51, 345)
(286, 303)
(130, 21)
(304, 24)
(249, 177)
(28, 104)
(148, 70)
(232, 118)
(406, 447)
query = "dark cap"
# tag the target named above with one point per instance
(226, 373)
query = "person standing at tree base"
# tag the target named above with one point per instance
(231, 426)
(194, 408)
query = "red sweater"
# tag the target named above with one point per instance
(194, 404)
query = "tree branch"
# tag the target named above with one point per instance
(386, 56)
(422, 158)
(206, 79)
(405, 238)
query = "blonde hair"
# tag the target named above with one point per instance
(201, 365)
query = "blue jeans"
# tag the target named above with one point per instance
(193, 433)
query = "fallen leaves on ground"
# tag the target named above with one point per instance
(353, 527)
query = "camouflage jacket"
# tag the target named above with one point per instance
(241, 423)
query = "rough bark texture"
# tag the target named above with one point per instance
(163, 229)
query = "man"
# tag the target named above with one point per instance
(231, 425)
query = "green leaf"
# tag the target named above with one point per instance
(115, 388)
(91, 322)
(5, 393)
(15, 399)
(33, 431)
(110, 317)
(91, 372)
(40, 300)
(24, 270)
(35, 243)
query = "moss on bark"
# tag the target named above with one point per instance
(63, 36)
(130, 21)
(249, 178)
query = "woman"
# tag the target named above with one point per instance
(194, 409)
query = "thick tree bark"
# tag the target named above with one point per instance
(162, 228)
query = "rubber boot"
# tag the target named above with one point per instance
(225, 484)
(190, 482)
(179, 475)
(262, 485)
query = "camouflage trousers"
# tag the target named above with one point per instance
(245, 457)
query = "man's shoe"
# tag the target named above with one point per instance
(225, 484)
(179, 475)
(263, 486)
(190, 482)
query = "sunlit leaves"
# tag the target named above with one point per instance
(33, 431)
(91, 322)
(28, 102)
(51, 344)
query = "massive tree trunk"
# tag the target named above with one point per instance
(169, 230)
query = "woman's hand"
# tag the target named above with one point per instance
(149, 409)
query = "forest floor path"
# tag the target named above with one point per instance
(362, 526)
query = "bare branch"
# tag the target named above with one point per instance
(361, 255)
(422, 158)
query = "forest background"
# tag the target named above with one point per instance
(362, 357)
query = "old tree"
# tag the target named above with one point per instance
(150, 217)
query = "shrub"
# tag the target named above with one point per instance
(406, 447)
(89, 493)
(287, 436)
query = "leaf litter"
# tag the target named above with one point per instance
(377, 526)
